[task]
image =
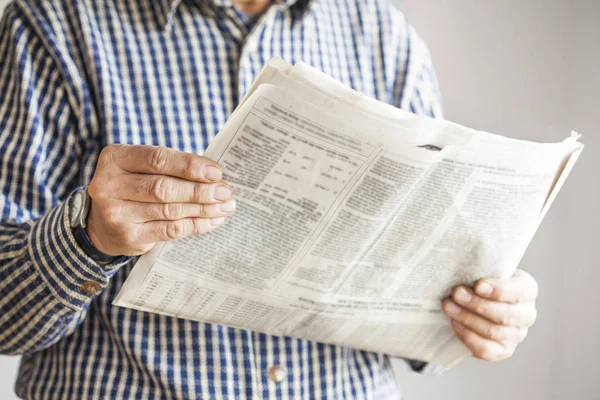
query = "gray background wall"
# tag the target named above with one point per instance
(527, 70)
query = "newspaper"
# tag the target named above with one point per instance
(354, 220)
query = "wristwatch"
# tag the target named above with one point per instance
(79, 210)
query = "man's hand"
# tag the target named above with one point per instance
(493, 319)
(146, 194)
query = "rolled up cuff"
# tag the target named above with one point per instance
(71, 275)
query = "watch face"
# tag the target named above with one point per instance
(76, 208)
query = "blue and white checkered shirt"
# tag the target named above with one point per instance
(76, 75)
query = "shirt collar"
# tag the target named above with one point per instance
(164, 10)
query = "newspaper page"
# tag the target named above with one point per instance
(352, 225)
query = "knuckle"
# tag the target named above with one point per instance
(468, 319)
(111, 215)
(172, 211)
(107, 153)
(503, 296)
(493, 332)
(173, 231)
(482, 353)
(159, 189)
(157, 158)
(201, 192)
(100, 188)
(191, 166)
(480, 307)
(515, 299)
(107, 156)
(95, 190)
(508, 318)
(199, 227)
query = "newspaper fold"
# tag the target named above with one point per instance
(355, 219)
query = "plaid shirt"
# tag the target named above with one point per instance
(77, 75)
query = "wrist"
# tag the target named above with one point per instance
(80, 214)
(93, 231)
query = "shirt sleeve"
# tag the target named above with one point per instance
(46, 281)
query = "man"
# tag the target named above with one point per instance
(79, 77)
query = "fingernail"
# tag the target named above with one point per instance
(458, 326)
(484, 288)
(452, 308)
(227, 207)
(212, 173)
(217, 221)
(462, 296)
(222, 193)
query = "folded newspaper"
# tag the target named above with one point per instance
(354, 220)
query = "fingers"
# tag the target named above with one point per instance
(520, 315)
(494, 317)
(145, 194)
(521, 287)
(483, 326)
(481, 347)
(145, 212)
(162, 161)
(166, 189)
(163, 231)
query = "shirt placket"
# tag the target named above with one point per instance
(270, 373)
(270, 366)
(250, 49)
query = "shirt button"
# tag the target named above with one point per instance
(91, 287)
(277, 373)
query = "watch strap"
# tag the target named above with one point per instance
(86, 244)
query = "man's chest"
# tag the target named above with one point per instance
(177, 87)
